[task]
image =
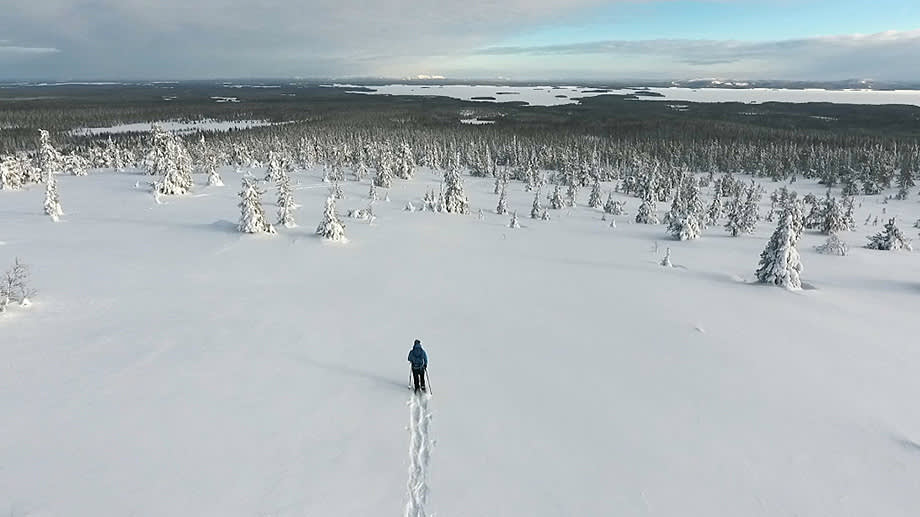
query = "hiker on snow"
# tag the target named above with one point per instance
(419, 360)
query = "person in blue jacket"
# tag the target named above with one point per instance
(419, 361)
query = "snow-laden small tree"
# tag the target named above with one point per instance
(384, 177)
(337, 191)
(714, 213)
(330, 228)
(455, 200)
(75, 165)
(779, 262)
(10, 173)
(502, 207)
(286, 204)
(833, 246)
(677, 208)
(594, 200)
(648, 210)
(556, 202)
(405, 162)
(52, 202)
(514, 221)
(372, 192)
(666, 261)
(834, 218)
(571, 193)
(252, 217)
(14, 286)
(169, 158)
(685, 226)
(214, 179)
(536, 208)
(275, 169)
(891, 239)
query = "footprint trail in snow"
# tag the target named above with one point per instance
(419, 454)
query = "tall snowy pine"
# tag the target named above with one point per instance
(252, 217)
(455, 200)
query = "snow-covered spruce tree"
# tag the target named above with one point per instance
(10, 174)
(514, 221)
(455, 200)
(677, 208)
(384, 177)
(214, 179)
(52, 202)
(502, 207)
(50, 160)
(286, 203)
(571, 193)
(648, 210)
(833, 246)
(685, 226)
(274, 170)
(556, 202)
(372, 192)
(594, 200)
(330, 228)
(405, 162)
(536, 208)
(890, 239)
(169, 159)
(905, 183)
(714, 213)
(75, 165)
(779, 261)
(337, 191)
(252, 217)
(834, 218)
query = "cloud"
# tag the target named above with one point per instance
(269, 37)
(13, 50)
(889, 54)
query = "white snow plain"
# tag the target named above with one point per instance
(170, 365)
(558, 95)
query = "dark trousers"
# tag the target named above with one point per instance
(418, 377)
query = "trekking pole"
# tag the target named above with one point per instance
(428, 385)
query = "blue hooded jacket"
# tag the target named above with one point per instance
(418, 357)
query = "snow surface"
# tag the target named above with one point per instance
(176, 125)
(547, 95)
(170, 365)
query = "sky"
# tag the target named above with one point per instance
(511, 39)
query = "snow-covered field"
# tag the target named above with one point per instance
(173, 366)
(176, 126)
(553, 96)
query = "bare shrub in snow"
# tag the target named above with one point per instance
(14, 286)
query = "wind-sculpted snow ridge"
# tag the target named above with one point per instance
(419, 454)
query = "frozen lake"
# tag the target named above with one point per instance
(558, 95)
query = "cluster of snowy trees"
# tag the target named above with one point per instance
(14, 286)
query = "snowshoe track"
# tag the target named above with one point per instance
(419, 454)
